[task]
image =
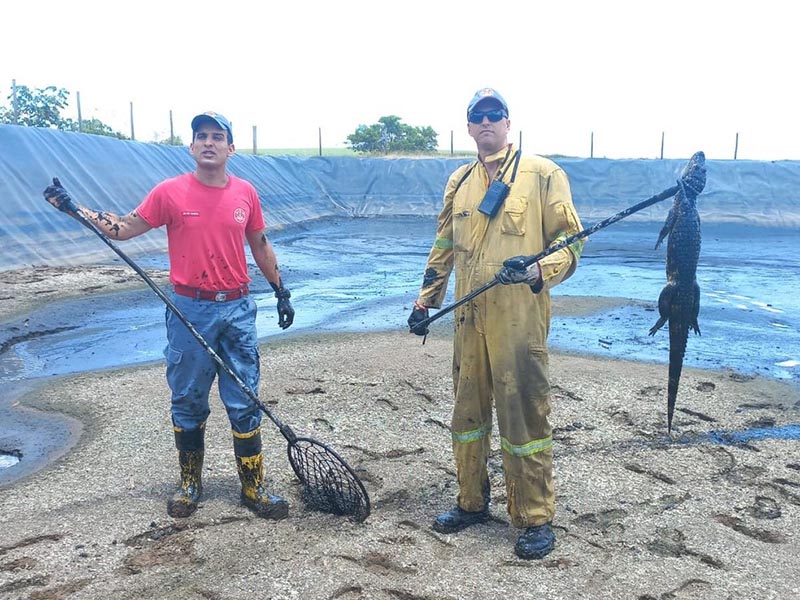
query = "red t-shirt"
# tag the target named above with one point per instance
(205, 229)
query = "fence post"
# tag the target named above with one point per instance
(133, 136)
(662, 145)
(319, 139)
(451, 143)
(80, 118)
(736, 147)
(171, 130)
(255, 140)
(591, 145)
(15, 114)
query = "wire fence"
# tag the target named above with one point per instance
(314, 147)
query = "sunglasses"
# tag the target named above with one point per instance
(493, 115)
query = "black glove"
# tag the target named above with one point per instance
(285, 310)
(515, 271)
(58, 197)
(419, 314)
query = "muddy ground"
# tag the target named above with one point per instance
(640, 515)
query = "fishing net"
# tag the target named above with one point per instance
(329, 484)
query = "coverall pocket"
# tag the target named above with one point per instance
(514, 216)
(173, 356)
(179, 377)
(539, 373)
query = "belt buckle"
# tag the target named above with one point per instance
(220, 297)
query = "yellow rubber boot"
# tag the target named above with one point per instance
(250, 465)
(190, 458)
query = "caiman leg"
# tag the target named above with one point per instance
(696, 308)
(664, 301)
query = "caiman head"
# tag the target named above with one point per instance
(693, 176)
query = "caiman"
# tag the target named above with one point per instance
(679, 301)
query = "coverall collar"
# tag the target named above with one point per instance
(501, 157)
(500, 154)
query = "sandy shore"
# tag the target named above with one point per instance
(640, 515)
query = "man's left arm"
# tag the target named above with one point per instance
(560, 221)
(267, 263)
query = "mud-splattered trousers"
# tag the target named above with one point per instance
(229, 329)
(500, 349)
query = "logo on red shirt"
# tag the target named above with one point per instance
(239, 215)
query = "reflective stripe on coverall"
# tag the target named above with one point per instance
(500, 347)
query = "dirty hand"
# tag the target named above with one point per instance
(285, 310)
(419, 314)
(515, 271)
(58, 197)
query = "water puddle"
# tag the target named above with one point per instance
(363, 274)
(9, 459)
(733, 438)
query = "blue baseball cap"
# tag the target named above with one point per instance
(486, 94)
(214, 118)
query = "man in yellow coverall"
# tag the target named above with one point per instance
(500, 347)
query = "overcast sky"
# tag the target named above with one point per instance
(699, 71)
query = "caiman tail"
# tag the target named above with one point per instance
(678, 334)
(679, 301)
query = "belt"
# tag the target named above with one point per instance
(216, 296)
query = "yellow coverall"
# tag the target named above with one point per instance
(500, 348)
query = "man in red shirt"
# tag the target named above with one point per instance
(208, 215)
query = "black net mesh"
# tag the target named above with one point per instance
(329, 484)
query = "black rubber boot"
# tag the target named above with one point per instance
(190, 446)
(457, 519)
(536, 542)
(250, 465)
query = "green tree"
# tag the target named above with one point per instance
(93, 126)
(40, 107)
(389, 135)
(175, 141)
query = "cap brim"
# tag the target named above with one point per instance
(200, 119)
(486, 101)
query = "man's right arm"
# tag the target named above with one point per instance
(439, 264)
(116, 227)
(119, 228)
(440, 259)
